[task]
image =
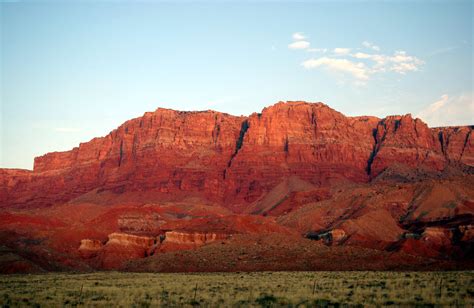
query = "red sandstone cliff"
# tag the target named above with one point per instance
(236, 160)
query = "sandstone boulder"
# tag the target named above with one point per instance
(122, 247)
(90, 248)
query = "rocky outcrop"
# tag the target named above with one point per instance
(193, 238)
(122, 247)
(437, 236)
(235, 160)
(331, 237)
(90, 248)
(130, 240)
(434, 242)
(338, 235)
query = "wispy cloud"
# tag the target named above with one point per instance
(399, 62)
(442, 50)
(357, 70)
(299, 36)
(342, 51)
(299, 45)
(457, 110)
(299, 41)
(359, 65)
(370, 46)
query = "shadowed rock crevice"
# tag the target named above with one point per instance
(441, 142)
(373, 153)
(380, 130)
(468, 135)
(238, 145)
(397, 125)
(240, 141)
(374, 150)
(120, 153)
(217, 130)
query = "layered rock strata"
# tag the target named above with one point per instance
(236, 160)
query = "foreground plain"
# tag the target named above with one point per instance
(265, 289)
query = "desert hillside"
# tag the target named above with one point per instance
(297, 186)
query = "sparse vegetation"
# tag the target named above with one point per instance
(256, 289)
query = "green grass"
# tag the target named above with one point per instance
(264, 289)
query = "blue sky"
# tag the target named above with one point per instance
(71, 72)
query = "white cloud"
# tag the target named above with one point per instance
(370, 62)
(399, 62)
(361, 55)
(299, 45)
(380, 61)
(449, 111)
(299, 41)
(342, 51)
(400, 56)
(357, 70)
(370, 46)
(402, 63)
(298, 36)
(402, 68)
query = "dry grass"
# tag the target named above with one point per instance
(269, 289)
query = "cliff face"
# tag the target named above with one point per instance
(311, 141)
(457, 143)
(402, 139)
(165, 151)
(236, 160)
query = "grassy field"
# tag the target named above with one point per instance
(268, 289)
